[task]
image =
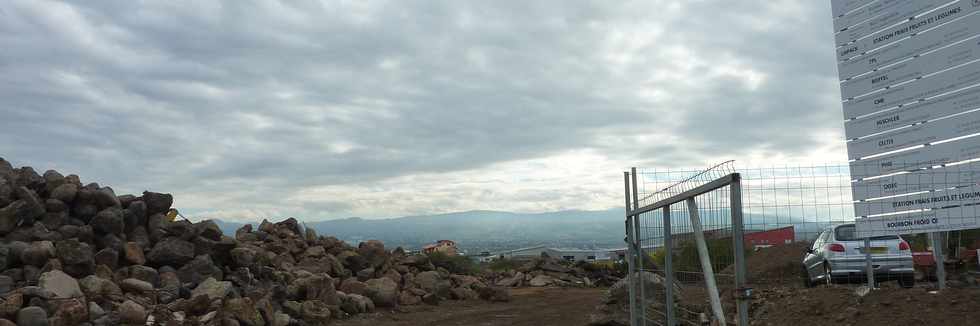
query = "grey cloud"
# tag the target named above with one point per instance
(259, 100)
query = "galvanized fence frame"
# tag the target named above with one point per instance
(686, 194)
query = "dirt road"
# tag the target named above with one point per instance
(530, 307)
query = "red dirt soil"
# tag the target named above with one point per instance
(529, 307)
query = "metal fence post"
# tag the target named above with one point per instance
(870, 270)
(641, 254)
(630, 255)
(937, 253)
(704, 256)
(743, 292)
(668, 269)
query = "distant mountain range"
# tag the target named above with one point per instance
(492, 230)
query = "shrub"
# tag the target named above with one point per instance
(453, 264)
(503, 264)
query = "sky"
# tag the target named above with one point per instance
(328, 109)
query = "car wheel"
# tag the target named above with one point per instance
(807, 282)
(827, 275)
(907, 281)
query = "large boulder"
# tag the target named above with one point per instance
(73, 252)
(32, 316)
(38, 253)
(373, 252)
(382, 291)
(157, 203)
(199, 269)
(65, 193)
(106, 197)
(131, 312)
(212, 288)
(109, 221)
(542, 280)
(34, 207)
(62, 285)
(171, 251)
(243, 309)
(100, 289)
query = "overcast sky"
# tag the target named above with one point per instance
(329, 109)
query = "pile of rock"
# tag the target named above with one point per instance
(548, 271)
(73, 254)
(614, 309)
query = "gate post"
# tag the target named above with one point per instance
(641, 255)
(669, 269)
(742, 291)
(630, 255)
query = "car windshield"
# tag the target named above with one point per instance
(846, 233)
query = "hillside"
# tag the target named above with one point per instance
(492, 230)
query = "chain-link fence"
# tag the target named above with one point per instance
(799, 232)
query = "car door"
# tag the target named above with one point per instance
(813, 260)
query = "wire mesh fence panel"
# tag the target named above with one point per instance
(800, 230)
(688, 244)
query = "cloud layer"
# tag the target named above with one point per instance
(383, 108)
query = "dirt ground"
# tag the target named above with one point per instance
(529, 307)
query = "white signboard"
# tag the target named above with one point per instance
(920, 134)
(932, 108)
(949, 219)
(920, 180)
(910, 85)
(878, 15)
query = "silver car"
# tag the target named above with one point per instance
(838, 256)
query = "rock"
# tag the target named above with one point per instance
(62, 285)
(137, 286)
(374, 252)
(212, 288)
(69, 312)
(4, 322)
(33, 208)
(108, 257)
(135, 216)
(382, 291)
(6, 284)
(209, 230)
(431, 299)
(73, 252)
(353, 286)
(513, 281)
(464, 294)
(494, 294)
(132, 313)
(542, 280)
(10, 304)
(106, 197)
(157, 203)
(144, 273)
(408, 299)
(95, 311)
(10, 216)
(171, 251)
(38, 253)
(109, 221)
(99, 289)
(199, 269)
(169, 285)
(243, 256)
(315, 312)
(243, 309)
(133, 253)
(65, 193)
(32, 316)
(427, 280)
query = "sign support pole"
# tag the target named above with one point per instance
(937, 253)
(867, 260)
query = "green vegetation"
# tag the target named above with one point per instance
(454, 264)
(503, 264)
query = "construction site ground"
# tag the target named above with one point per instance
(529, 307)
